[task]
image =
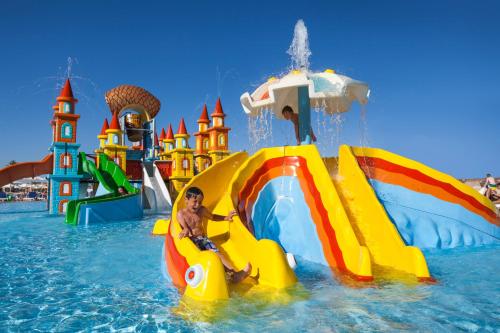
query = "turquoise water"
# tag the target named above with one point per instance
(54, 277)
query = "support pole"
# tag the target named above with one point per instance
(304, 115)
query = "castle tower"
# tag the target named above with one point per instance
(157, 147)
(114, 147)
(162, 144)
(102, 140)
(182, 159)
(64, 180)
(168, 144)
(218, 135)
(202, 159)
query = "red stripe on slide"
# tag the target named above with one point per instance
(176, 263)
(374, 162)
(313, 198)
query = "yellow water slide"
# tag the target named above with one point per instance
(369, 219)
(201, 272)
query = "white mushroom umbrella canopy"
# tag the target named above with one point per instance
(332, 92)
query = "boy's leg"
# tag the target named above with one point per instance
(225, 262)
(237, 276)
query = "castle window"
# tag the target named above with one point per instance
(67, 131)
(67, 108)
(115, 139)
(185, 164)
(65, 189)
(62, 206)
(65, 161)
(183, 143)
(222, 140)
(205, 144)
(170, 146)
(173, 165)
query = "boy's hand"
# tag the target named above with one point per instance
(183, 233)
(229, 216)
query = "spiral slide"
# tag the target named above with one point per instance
(21, 170)
(108, 207)
(201, 272)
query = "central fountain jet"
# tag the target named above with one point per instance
(302, 89)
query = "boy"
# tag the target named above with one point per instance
(288, 114)
(191, 220)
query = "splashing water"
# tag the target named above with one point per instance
(299, 49)
(260, 130)
(363, 124)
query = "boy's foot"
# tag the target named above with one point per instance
(241, 275)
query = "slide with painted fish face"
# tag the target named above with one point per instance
(201, 272)
(431, 209)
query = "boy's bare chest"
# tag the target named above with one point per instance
(193, 220)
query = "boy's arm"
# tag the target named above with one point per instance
(186, 231)
(215, 217)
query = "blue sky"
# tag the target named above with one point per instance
(432, 66)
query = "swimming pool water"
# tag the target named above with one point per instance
(55, 277)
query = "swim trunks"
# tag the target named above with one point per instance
(203, 243)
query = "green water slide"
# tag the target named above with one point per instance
(110, 176)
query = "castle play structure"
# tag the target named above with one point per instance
(152, 170)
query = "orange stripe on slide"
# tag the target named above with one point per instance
(296, 166)
(415, 185)
(372, 166)
(278, 171)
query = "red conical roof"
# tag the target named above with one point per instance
(170, 133)
(157, 143)
(105, 126)
(66, 93)
(115, 124)
(182, 127)
(218, 112)
(204, 116)
(162, 134)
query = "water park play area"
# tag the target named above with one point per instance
(366, 240)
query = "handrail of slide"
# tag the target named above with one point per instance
(110, 175)
(21, 170)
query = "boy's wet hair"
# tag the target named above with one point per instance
(193, 192)
(287, 108)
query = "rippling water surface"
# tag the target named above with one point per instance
(55, 277)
